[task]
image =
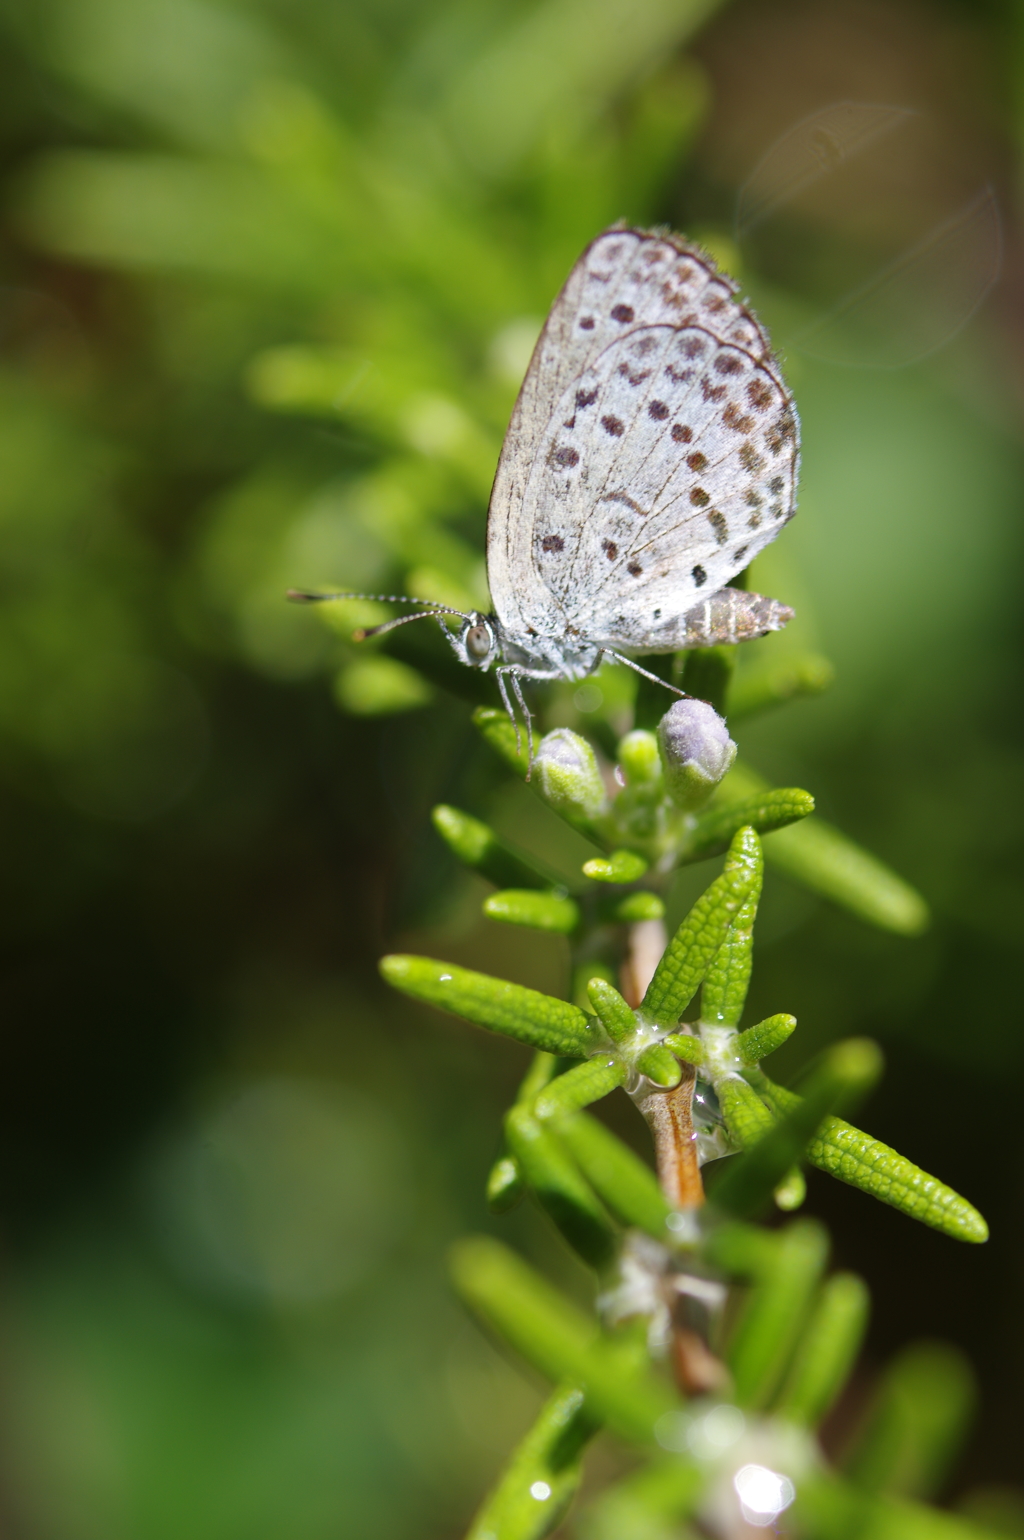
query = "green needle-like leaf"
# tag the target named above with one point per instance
(774, 1313)
(649, 1505)
(620, 866)
(856, 1158)
(686, 1047)
(765, 812)
(505, 1185)
(635, 907)
(757, 1042)
(557, 1338)
(845, 1071)
(825, 861)
(496, 729)
(679, 974)
(746, 1115)
(525, 1014)
(540, 1480)
(728, 978)
(828, 1509)
(539, 911)
(616, 1017)
(920, 1416)
(579, 1086)
(827, 1350)
(791, 1191)
(621, 1180)
(784, 679)
(479, 847)
(556, 1182)
(742, 1251)
(660, 1065)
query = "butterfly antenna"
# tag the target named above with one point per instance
(364, 633)
(306, 596)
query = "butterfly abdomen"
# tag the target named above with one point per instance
(724, 618)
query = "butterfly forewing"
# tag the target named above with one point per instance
(652, 451)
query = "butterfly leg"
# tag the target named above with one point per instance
(516, 675)
(618, 657)
(509, 711)
(517, 690)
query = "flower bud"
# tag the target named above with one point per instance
(696, 751)
(638, 756)
(568, 777)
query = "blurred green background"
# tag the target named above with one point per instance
(271, 275)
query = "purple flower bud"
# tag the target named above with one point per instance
(568, 776)
(696, 751)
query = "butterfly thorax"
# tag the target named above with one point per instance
(568, 656)
(484, 641)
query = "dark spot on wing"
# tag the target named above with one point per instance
(718, 524)
(552, 543)
(775, 485)
(586, 323)
(699, 498)
(611, 550)
(681, 434)
(782, 429)
(657, 614)
(563, 455)
(759, 394)
(643, 346)
(634, 379)
(733, 418)
(750, 459)
(715, 303)
(626, 500)
(694, 347)
(696, 461)
(727, 363)
(680, 376)
(711, 392)
(586, 397)
(622, 313)
(699, 576)
(658, 410)
(634, 569)
(739, 555)
(612, 425)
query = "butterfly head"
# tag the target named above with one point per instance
(477, 644)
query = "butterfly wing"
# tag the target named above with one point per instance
(652, 452)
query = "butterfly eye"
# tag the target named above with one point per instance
(479, 643)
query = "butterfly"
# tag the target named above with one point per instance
(653, 451)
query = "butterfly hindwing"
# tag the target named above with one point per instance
(664, 469)
(664, 459)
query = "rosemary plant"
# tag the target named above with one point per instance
(718, 1343)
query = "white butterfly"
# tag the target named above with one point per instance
(653, 451)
